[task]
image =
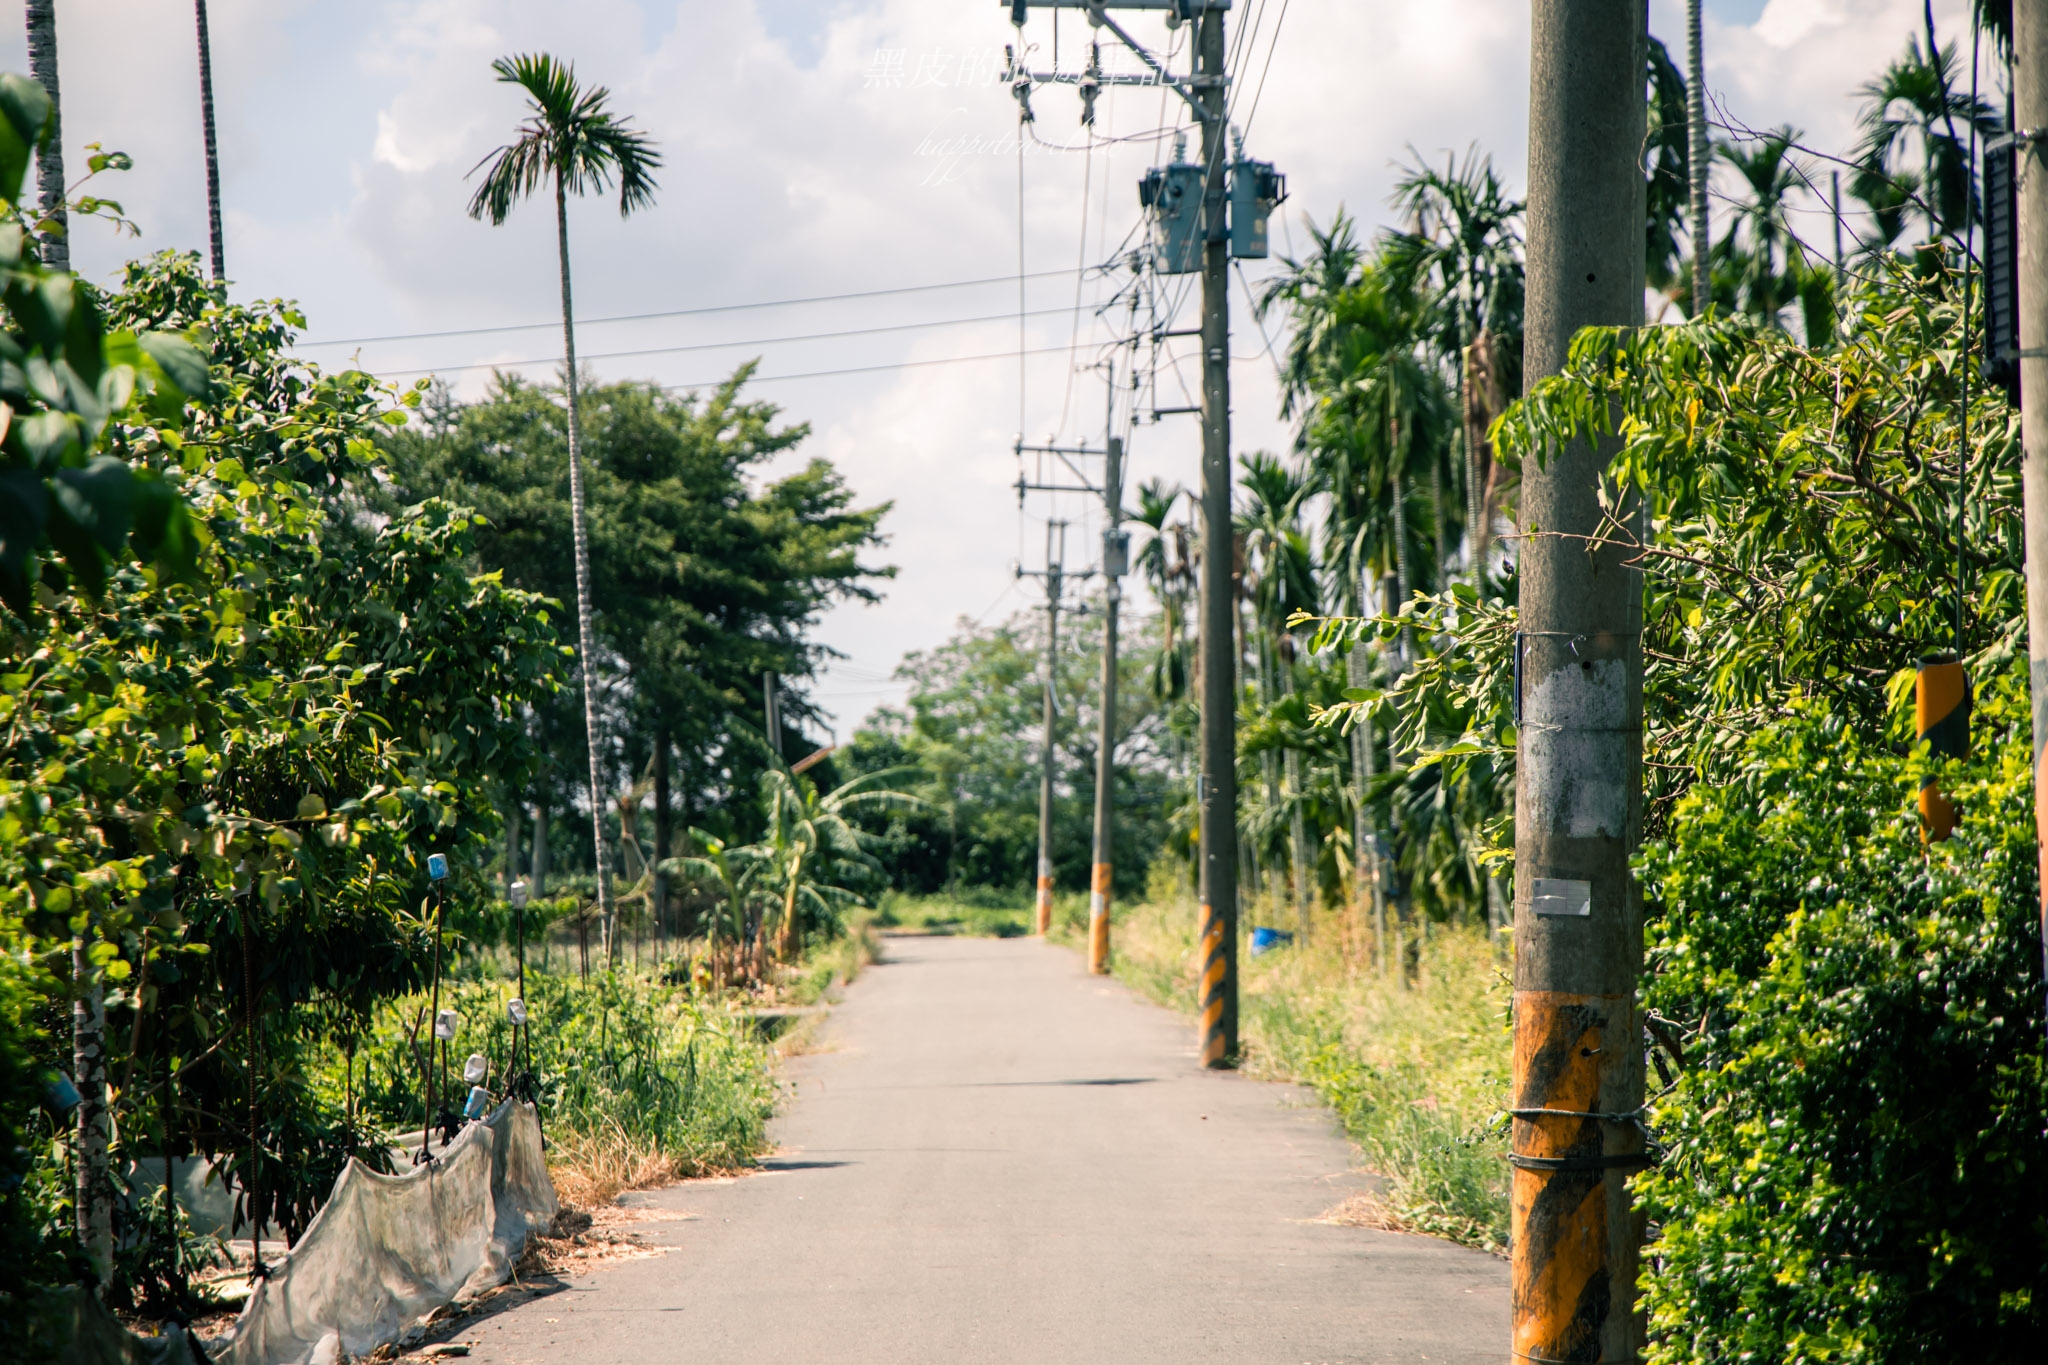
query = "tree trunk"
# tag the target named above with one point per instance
(661, 835)
(1483, 403)
(88, 1058)
(53, 231)
(1700, 163)
(1436, 515)
(1299, 854)
(540, 850)
(586, 649)
(220, 268)
(1403, 582)
(789, 935)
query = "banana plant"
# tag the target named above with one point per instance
(735, 869)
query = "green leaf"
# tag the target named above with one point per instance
(24, 113)
(176, 361)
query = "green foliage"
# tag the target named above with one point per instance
(64, 378)
(571, 139)
(228, 781)
(1854, 1147)
(614, 1055)
(970, 731)
(1854, 1135)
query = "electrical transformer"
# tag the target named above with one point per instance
(1172, 196)
(1255, 188)
(1116, 553)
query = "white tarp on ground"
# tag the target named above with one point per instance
(387, 1250)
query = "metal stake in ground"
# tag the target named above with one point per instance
(437, 873)
(1578, 1061)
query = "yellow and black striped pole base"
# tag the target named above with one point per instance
(1572, 1158)
(1219, 1029)
(1044, 897)
(1098, 922)
(1941, 721)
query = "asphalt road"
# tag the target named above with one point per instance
(995, 1158)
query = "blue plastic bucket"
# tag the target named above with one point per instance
(1265, 940)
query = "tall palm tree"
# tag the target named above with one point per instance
(94, 1205)
(1172, 584)
(42, 64)
(574, 143)
(1466, 254)
(1759, 245)
(212, 148)
(1278, 554)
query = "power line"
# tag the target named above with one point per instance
(812, 374)
(725, 345)
(684, 312)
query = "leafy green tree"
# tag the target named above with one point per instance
(707, 576)
(1466, 249)
(968, 729)
(575, 143)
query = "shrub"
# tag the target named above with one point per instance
(1854, 1151)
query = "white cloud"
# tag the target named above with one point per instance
(347, 131)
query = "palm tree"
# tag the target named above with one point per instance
(212, 149)
(1759, 248)
(573, 141)
(1310, 288)
(1277, 553)
(1914, 106)
(94, 1207)
(1172, 583)
(42, 64)
(1466, 251)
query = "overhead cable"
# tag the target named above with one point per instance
(683, 312)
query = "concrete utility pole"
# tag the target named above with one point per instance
(1578, 1058)
(771, 714)
(1218, 796)
(1113, 567)
(2030, 124)
(1053, 567)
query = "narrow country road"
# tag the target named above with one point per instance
(995, 1158)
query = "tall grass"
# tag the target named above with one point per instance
(639, 1082)
(1417, 1070)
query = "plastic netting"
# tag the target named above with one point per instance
(387, 1250)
